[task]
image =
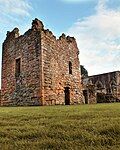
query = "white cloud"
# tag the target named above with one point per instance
(18, 7)
(98, 38)
(12, 13)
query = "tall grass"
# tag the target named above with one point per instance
(80, 127)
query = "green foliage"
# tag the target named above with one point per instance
(84, 72)
(80, 127)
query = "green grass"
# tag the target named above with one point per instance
(81, 127)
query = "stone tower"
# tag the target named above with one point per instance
(38, 69)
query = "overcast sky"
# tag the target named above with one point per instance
(94, 23)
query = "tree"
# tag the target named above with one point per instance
(84, 72)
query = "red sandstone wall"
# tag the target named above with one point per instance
(56, 57)
(110, 85)
(26, 89)
(44, 68)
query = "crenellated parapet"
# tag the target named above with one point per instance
(49, 33)
(37, 24)
(63, 36)
(67, 38)
(13, 34)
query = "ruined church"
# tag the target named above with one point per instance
(39, 69)
(102, 88)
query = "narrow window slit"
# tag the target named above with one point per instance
(70, 67)
(18, 67)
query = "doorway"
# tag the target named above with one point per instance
(85, 93)
(67, 96)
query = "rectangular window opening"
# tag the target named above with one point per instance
(18, 67)
(70, 67)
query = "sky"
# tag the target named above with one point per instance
(94, 23)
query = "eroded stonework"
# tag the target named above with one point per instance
(38, 69)
(102, 88)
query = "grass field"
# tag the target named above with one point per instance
(84, 127)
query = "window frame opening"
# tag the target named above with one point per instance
(17, 67)
(70, 67)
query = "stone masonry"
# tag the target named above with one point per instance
(102, 88)
(107, 86)
(38, 69)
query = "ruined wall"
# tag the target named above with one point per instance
(44, 68)
(89, 91)
(57, 53)
(107, 86)
(118, 84)
(25, 89)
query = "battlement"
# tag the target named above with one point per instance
(37, 26)
(68, 38)
(13, 34)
